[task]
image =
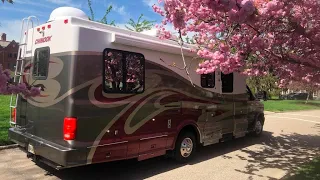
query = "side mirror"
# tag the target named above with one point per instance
(262, 95)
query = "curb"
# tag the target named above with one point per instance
(269, 112)
(8, 147)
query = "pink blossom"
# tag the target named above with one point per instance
(282, 35)
(8, 87)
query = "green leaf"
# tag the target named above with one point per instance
(140, 25)
(129, 28)
(91, 10)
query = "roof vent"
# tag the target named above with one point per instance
(63, 12)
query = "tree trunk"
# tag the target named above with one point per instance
(308, 97)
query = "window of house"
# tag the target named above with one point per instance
(124, 72)
(227, 82)
(10, 55)
(15, 55)
(208, 80)
(41, 63)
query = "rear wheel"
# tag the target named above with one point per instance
(185, 147)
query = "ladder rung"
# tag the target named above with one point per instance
(22, 44)
(13, 106)
(20, 59)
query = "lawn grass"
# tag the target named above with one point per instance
(4, 120)
(310, 171)
(290, 105)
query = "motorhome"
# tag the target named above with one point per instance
(110, 94)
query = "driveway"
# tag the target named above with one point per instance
(289, 140)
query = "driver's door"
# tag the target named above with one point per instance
(241, 113)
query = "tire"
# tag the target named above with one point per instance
(258, 127)
(188, 140)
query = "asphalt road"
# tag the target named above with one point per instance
(289, 139)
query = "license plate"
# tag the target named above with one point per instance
(31, 149)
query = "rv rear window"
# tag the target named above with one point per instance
(123, 71)
(208, 80)
(41, 63)
(227, 82)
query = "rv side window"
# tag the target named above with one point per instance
(123, 72)
(41, 63)
(208, 80)
(227, 82)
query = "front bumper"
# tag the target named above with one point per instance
(50, 153)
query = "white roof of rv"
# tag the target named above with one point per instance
(63, 12)
(151, 32)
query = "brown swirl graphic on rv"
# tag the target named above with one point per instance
(130, 111)
(50, 88)
(136, 102)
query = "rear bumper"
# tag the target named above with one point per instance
(52, 154)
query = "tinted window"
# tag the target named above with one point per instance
(208, 80)
(123, 71)
(227, 82)
(41, 63)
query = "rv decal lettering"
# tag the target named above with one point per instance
(43, 40)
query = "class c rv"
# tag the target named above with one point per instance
(110, 94)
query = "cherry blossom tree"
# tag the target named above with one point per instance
(8, 86)
(255, 37)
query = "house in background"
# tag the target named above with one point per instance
(8, 52)
(315, 95)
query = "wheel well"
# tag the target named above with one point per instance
(261, 115)
(193, 129)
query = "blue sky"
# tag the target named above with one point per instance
(123, 10)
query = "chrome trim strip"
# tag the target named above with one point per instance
(153, 137)
(122, 142)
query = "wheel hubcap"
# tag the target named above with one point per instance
(258, 127)
(186, 147)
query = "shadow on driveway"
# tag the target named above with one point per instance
(285, 152)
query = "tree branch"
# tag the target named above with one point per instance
(293, 61)
(258, 32)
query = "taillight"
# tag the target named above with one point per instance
(69, 128)
(13, 115)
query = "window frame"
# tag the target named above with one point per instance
(228, 92)
(123, 67)
(48, 60)
(206, 86)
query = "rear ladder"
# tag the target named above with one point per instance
(20, 63)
